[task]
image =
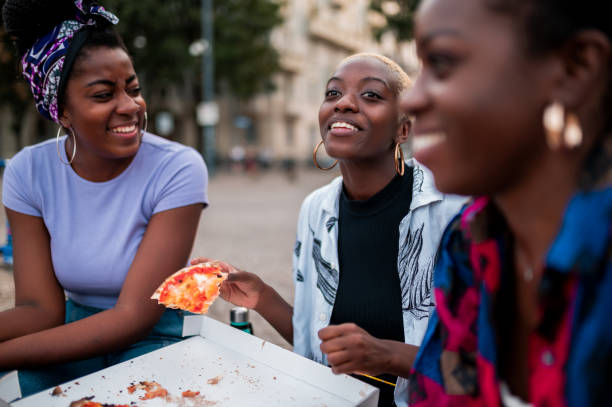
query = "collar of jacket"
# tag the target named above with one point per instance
(424, 191)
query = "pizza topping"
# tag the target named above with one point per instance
(214, 380)
(189, 393)
(88, 402)
(152, 390)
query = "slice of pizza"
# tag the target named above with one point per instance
(192, 288)
(88, 402)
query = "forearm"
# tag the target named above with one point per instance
(277, 312)
(99, 334)
(28, 318)
(402, 357)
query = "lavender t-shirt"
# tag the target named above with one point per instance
(96, 227)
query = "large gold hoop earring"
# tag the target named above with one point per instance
(57, 144)
(314, 158)
(144, 126)
(399, 159)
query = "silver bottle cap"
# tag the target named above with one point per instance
(239, 315)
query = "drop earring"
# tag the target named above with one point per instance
(554, 121)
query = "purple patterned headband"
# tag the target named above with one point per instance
(43, 63)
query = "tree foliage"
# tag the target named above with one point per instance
(244, 57)
(401, 23)
(158, 34)
(14, 92)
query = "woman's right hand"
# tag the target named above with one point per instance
(241, 287)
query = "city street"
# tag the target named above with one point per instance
(251, 223)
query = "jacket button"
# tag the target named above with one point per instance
(547, 358)
(322, 317)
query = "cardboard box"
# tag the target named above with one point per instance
(9, 387)
(227, 366)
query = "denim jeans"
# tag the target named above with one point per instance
(167, 331)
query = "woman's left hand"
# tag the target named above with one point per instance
(350, 349)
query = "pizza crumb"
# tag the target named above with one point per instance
(152, 390)
(189, 393)
(57, 391)
(214, 380)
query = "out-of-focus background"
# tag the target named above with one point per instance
(241, 81)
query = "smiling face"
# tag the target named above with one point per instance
(359, 118)
(478, 100)
(104, 106)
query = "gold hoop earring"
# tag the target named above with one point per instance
(314, 159)
(572, 136)
(144, 127)
(57, 144)
(554, 122)
(399, 159)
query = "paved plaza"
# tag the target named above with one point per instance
(251, 223)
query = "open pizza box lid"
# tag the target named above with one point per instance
(227, 366)
(9, 387)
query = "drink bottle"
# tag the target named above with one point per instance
(239, 318)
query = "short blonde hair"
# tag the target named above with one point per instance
(401, 77)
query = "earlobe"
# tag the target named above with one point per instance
(64, 122)
(404, 130)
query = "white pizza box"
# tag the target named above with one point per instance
(9, 386)
(227, 366)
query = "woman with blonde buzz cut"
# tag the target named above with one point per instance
(366, 242)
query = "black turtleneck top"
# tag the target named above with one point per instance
(369, 291)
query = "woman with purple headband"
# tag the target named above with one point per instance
(91, 211)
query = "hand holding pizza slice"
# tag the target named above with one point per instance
(192, 288)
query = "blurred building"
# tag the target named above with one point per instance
(277, 126)
(315, 37)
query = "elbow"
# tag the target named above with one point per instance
(44, 316)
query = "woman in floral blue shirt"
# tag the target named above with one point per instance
(514, 96)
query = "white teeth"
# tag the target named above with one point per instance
(423, 141)
(343, 125)
(124, 129)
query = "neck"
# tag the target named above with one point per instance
(534, 206)
(363, 179)
(95, 168)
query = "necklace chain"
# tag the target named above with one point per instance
(527, 268)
